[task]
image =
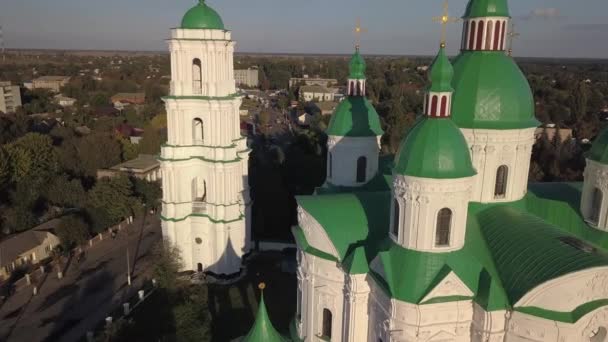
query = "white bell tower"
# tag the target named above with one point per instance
(206, 205)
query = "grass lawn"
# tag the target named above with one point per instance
(232, 308)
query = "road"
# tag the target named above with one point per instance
(65, 309)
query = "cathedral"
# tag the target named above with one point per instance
(446, 241)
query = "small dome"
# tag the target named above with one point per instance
(487, 8)
(202, 16)
(599, 150)
(357, 67)
(434, 148)
(355, 117)
(491, 92)
(441, 73)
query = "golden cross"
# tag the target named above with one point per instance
(512, 36)
(358, 31)
(445, 19)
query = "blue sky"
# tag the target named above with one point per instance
(549, 28)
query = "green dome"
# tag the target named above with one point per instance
(487, 8)
(434, 148)
(491, 92)
(441, 73)
(263, 330)
(599, 150)
(202, 16)
(355, 117)
(357, 67)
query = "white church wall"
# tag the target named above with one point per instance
(488, 326)
(343, 153)
(596, 177)
(393, 320)
(592, 327)
(568, 292)
(356, 308)
(491, 149)
(315, 234)
(420, 200)
(322, 284)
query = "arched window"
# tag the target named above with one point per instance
(444, 226)
(299, 303)
(198, 131)
(599, 334)
(472, 36)
(197, 77)
(199, 190)
(497, 36)
(396, 218)
(199, 267)
(465, 31)
(596, 206)
(327, 320)
(434, 106)
(444, 106)
(480, 30)
(331, 165)
(358, 93)
(489, 34)
(361, 169)
(502, 175)
(503, 35)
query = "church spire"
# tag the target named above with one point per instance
(357, 67)
(485, 25)
(263, 330)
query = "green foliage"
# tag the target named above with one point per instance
(33, 159)
(113, 197)
(167, 264)
(5, 169)
(38, 101)
(155, 134)
(98, 219)
(67, 193)
(192, 322)
(72, 231)
(129, 150)
(149, 192)
(17, 219)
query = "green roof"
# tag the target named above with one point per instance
(434, 148)
(357, 236)
(491, 92)
(355, 117)
(487, 8)
(441, 73)
(357, 66)
(599, 150)
(263, 330)
(202, 16)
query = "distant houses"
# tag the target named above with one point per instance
(28, 248)
(10, 97)
(122, 99)
(52, 83)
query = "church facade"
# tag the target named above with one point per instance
(206, 205)
(448, 241)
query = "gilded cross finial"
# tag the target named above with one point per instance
(445, 19)
(512, 36)
(358, 32)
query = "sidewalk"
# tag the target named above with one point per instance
(66, 308)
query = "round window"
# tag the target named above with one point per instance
(198, 241)
(598, 335)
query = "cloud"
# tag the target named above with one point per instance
(542, 13)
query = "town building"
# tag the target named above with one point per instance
(10, 97)
(28, 248)
(52, 83)
(316, 93)
(248, 77)
(145, 166)
(206, 205)
(128, 99)
(295, 82)
(448, 241)
(64, 101)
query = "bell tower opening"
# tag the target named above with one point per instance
(197, 77)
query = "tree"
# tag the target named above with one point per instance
(67, 193)
(113, 197)
(155, 134)
(191, 321)
(98, 151)
(5, 169)
(17, 219)
(149, 192)
(33, 159)
(72, 231)
(129, 150)
(167, 263)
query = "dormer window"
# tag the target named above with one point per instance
(444, 227)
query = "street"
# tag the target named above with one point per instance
(65, 309)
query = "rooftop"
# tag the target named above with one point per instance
(143, 163)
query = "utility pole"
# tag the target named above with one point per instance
(128, 264)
